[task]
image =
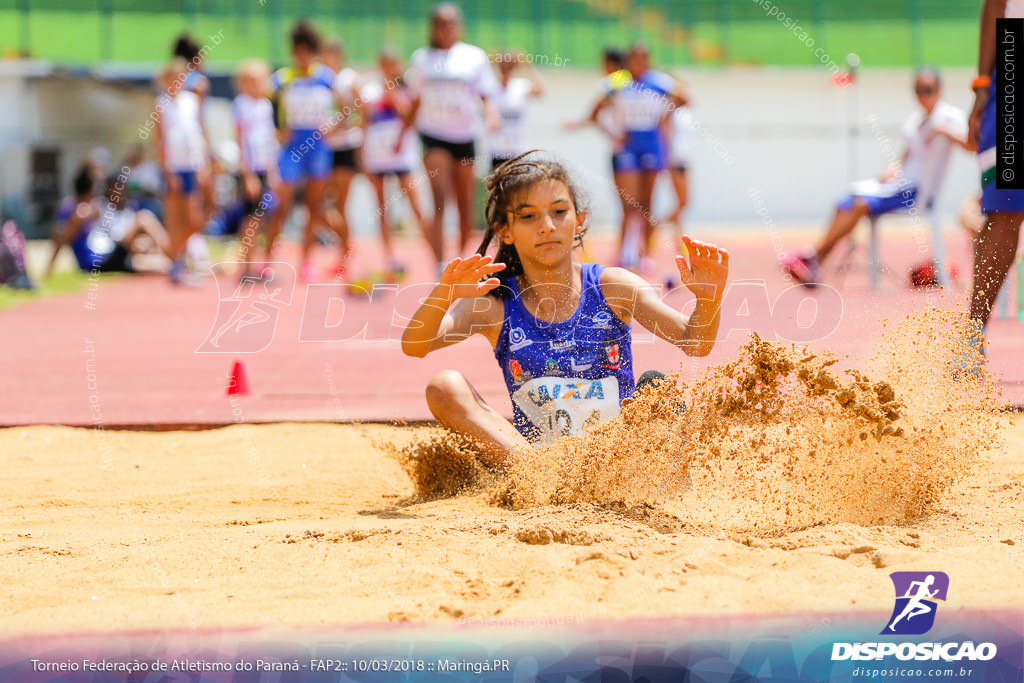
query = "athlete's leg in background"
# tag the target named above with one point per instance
(629, 188)
(995, 248)
(645, 197)
(465, 184)
(843, 223)
(316, 197)
(285, 200)
(176, 212)
(337, 215)
(438, 163)
(410, 190)
(617, 178)
(681, 186)
(384, 213)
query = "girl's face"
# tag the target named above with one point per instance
(639, 62)
(303, 57)
(927, 90)
(389, 68)
(444, 30)
(543, 224)
(251, 84)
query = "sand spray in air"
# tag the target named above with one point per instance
(777, 439)
(441, 464)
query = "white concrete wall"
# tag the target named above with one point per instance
(45, 109)
(788, 131)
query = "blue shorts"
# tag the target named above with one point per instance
(878, 205)
(305, 156)
(992, 198)
(643, 151)
(189, 183)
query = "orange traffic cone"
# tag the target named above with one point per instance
(238, 384)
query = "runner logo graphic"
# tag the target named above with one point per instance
(916, 596)
(247, 319)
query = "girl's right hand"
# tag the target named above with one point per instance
(463, 278)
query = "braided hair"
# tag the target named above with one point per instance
(509, 182)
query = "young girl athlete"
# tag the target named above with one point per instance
(560, 329)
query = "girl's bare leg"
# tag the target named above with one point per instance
(460, 408)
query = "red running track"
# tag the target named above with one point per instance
(134, 350)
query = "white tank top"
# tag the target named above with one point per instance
(449, 84)
(681, 142)
(258, 138)
(348, 135)
(184, 147)
(511, 101)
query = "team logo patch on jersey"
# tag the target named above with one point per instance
(602, 320)
(516, 369)
(612, 354)
(550, 365)
(518, 339)
(580, 367)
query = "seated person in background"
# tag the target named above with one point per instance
(929, 134)
(107, 237)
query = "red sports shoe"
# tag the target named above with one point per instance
(804, 269)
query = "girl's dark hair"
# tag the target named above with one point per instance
(186, 47)
(304, 34)
(615, 56)
(507, 184)
(83, 182)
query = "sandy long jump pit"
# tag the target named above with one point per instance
(792, 486)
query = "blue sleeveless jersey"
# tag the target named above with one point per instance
(565, 376)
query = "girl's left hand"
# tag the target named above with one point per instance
(708, 270)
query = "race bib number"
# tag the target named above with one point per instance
(559, 406)
(641, 112)
(185, 148)
(381, 139)
(307, 108)
(443, 102)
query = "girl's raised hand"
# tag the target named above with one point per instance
(469, 277)
(707, 271)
